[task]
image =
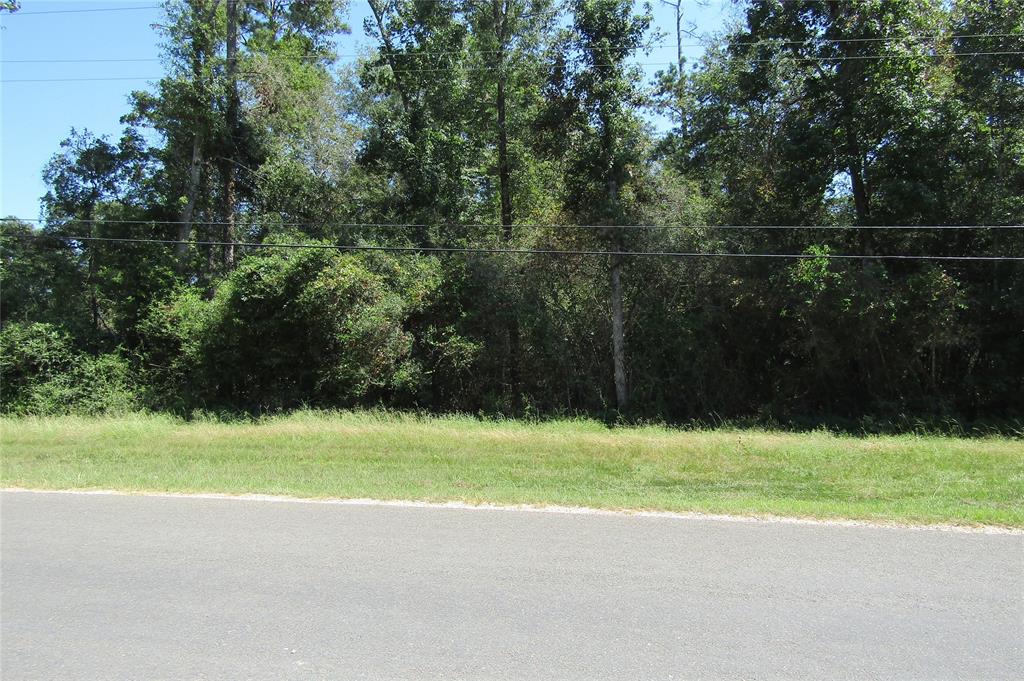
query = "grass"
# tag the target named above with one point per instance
(908, 478)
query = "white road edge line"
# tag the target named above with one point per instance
(535, 508)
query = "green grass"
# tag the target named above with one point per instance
(904, 478)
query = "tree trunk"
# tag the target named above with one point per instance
(409, 105)
(618, 318)
(679, 34)
(500, 8)
(229, 222)
(849, 75)
(861, 197)
(861, 201)
(504, 175)
(94, 306)
(212, 261)
(618, 245)
(187, 214)
(618, 335)
(389, 54)
(862, 207)
(230, 200)
(192, 194)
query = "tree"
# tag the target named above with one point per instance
(507, 44)
(606, 130)
(991, 90)
(99, 189)
(419, 109)
(852, 113)
(40, 281)
(183, 113)
(860, 71)
(229, 101)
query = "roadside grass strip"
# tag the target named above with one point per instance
(905, 479)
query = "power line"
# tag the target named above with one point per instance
(76, 80)
(558, 8)
(807, 60)
(82, 11)
(519, 251)
(888, 56)
(494, 67)
(482, 225)
(818, 40)
(706, 42)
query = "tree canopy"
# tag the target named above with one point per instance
(518, 134)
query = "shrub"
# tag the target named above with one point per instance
(41, 373)
(313, 327)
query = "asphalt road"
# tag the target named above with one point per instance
(115, 587)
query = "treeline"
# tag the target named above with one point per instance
(525, 125)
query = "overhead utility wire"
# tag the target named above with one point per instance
(410, 225)
(805, 60)
(558, 8)
(818, 40)
(494, 68)
(427, 53)
(76, 80)
(708, 41)
(81, 11)
(522, 251)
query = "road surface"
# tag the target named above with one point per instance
(120, 587)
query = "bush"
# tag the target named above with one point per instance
(41, 373)
(313, 327)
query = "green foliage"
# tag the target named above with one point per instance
(41, 373)
(30, 353)
(40, 280)
(313, 327)
(475, 125)
(98, 189)
(605, 130)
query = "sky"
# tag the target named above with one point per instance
(35, 116)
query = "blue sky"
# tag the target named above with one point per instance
(36, 116)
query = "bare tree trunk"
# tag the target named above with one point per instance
(389, 53)
(188, 212)
(192, 192)
(861, 198)
(679, 35)
(230, 200)
(618, 335)
(229, 223)
(407, 96)
(861, 202)
(862, 208)
(501, 9)
(678, 7)
(212, 261)
(618, 318)
(504, 174)
(849, 74)
(94, 306)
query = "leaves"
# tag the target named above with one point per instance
(504, 123)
